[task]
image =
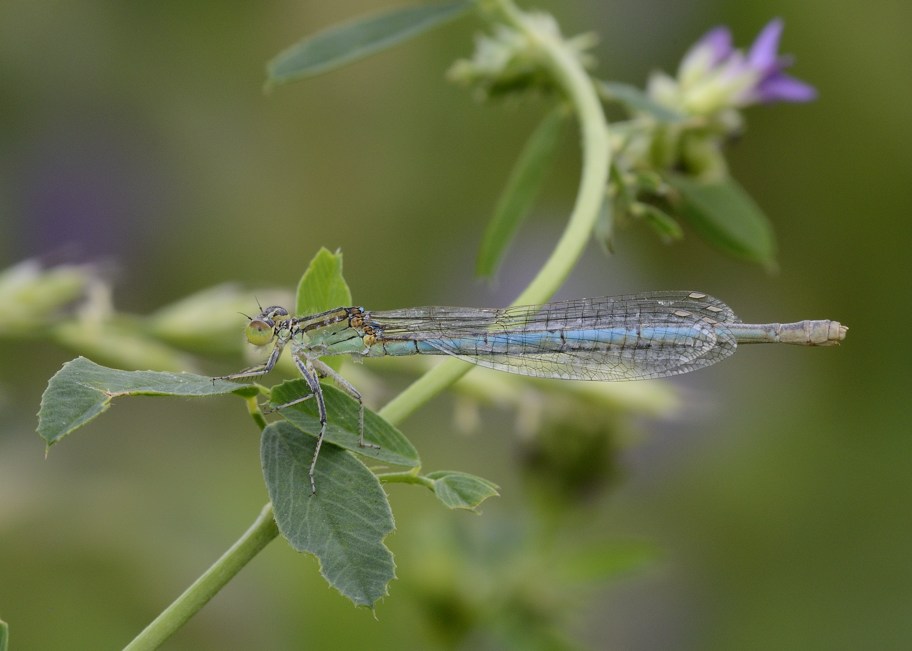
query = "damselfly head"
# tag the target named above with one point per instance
(259, 332)
(272, 313)
(261, 329)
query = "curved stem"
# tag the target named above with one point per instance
(572, 78)
(577, 86)
(407, 477)
(260, 534)
(253, 408)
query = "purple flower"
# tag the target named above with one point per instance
(714, 76)
(773, 85)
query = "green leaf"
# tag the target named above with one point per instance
(342, 423)
(665, 226)
(220, 308)
(343, 524)
(32, 294)
(726, 216)
(604, 225)
(83, 390)
(519, 194)
(637, 101)
(358, 39)
(119, 344)
(460, 490)
(322, 286)
(4, 635)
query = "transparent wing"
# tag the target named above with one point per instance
(629, 337)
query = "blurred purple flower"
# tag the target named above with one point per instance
(773, 84)
(714, 76)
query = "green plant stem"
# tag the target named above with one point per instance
(577, 86)
(407, 477)
(260, 534)
(253, 408)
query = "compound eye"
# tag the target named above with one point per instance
(259, 332)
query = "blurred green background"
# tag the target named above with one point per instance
(778, 495)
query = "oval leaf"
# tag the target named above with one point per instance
(342, 423)
(604, 226)
(664, 225)
(726, 216)
(82, 390)
(343, 524)
(322, 286)
(460, 490)
(519, 194)
(355, 40)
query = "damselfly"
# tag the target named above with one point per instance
(633, 337)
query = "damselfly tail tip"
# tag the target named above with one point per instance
(835, 333)
(841, 331)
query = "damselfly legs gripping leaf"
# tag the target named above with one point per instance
(633, 337)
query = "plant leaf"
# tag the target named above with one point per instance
(220, 308)
(119, 344)
(726, 216)
(82, 390)
(4, 635)
(31, 293)
(322, 286)
(664, 225)
(520, 192)
(342, 423)
(604, 225)
(358, 39)
(637, 101)
(460, 490)
(343, 524)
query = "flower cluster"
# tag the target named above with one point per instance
(509, 61)
(714, 76)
